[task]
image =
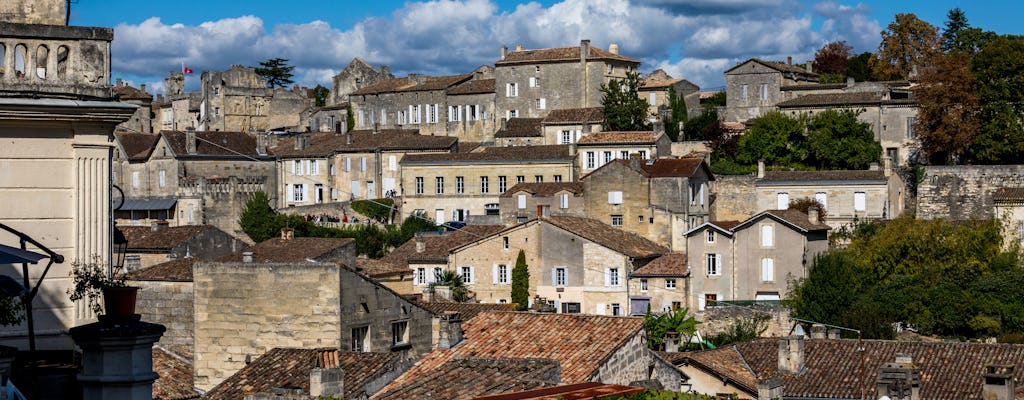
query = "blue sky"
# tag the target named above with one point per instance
(692, 39)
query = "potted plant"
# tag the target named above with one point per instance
(91, 281)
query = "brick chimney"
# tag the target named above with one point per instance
(900, 379)
(450, 330)
(998, 382)
(791, 354)
(769, 389)
(190, 140)
(287, 233)
(326, 382)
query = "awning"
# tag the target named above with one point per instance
(14, 255)
(148, 204)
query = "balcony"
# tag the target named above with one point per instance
(55, 61)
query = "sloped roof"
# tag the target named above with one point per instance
(544, 189)
(436, 247)
(671, 264)
(833, 99)
(326, 143)
(127, 92)
(413, 84)
(794, 218)
(580, 343)
(837, 175)
(294, 250)
(575, 115)
(474, 86)
(724, 227)
(663, 167)
(559, 54)
(520, 127)
(776, 65)
(175, 381)
(177, 270)
(377, 268)
(497, 154)
(144, 238)
(289, 368)
(949, 371)
(1008, 194)
(619, 137)
(579, 391)
(467, 378)
(624, 242)
(213, 143)
(137, 145)
(466, 310)
(651, 84)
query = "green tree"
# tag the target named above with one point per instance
(350, 120)
(452, 279)
(837, 140)
(906, 43)
(320, 94)
(624, 110)
(775, 138)
(276, 72)
(960, 38)
(677, 114)
(999, 69)
(521, 283)
(257, 219)
(859, 67)
(831, 61)
(677, 321)
(947, 114)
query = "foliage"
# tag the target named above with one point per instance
(999, 69)
(804, 203)
(88, 279)
(452, 279)
(521, 283)
(716, 100)
(276, 71)
(653, 394)
(832, 58)
(939, 277)
(673, 321)
(907, 42)
(837, 140)
(320, 94)
(677, 115)
(376, 209)
(947, 120)
(12, 310)
(859, 67)
(743, 329)
(350, 120)
(624, 110)
(705, 126)
(775, 138)
(257, 218)
(960, 38)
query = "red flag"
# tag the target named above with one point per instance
(186, 70)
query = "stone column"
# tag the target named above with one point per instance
(117, 359)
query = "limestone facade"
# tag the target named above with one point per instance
(414, 102)
(526, 201)
(169, 303)
(239, 100)
(964, 191)
(754, 87)
(355, 76)
(655, 90)
(142, 120)
(599, 148)
(847, 196)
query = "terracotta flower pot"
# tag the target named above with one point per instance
(119, 302)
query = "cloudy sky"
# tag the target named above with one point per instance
(692, 39)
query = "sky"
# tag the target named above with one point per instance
(692, 39)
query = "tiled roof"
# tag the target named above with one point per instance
(144, 238)
(580, 343)
(326, 143)
(137, 146)
(666, 167)
(833, 99)
(671, 264)
(578, 391)
(813, 86)
(175, 381)
(465, 310)
(796, 218)
(179, 270)
(466, 378)
(544, 189)
(520, 127)
(127, 92)
(575, 115)
(474, 86)
(619, 137)
(1008, 194)
(413, 84)
(229, 144)
(650, 84)
(289, 368)
(949, 371)
(514, 153)
(377, 268)
(624, 242)
(778, 66)
(838, 175)
(436, 247)
(563, 54)
(295, 250)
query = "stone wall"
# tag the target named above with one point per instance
(170, 304)
(735, 197)
(633, 362)
(716, 320)
(356, 75)
(964, 192)
(49, 12)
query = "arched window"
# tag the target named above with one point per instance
(3, 59)
(62, 61)
(19, 60)
(42, 58)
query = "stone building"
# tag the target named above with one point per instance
(150, 245)
(659, 286)
(655, 89)
(470, 109)
(57, 115)
(766, 78)
(599, 148)
(355, 76)
(414, 102)
(565, 126)
(530, 82)
(333, 118)
(961, 192)
(176, 110)
(412, 267)
(529, 200)
(1009, 208)
(239, 100)
(142, 120)
(520, 132)
(657, 199)
(754, 259)
(451, 187)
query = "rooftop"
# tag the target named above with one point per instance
(436, 247)
(466, 310)
(213, 143)
(837, 175)
(619, 137)
(474, 86)
(795, 218)
(671, 264)
(664, 167)
(137, 145)
(466, 378)
(593, 115)
(326, 143)
(558, 153)
(177, 270)
(520, 127)
(544, 189)
(1008, 194)
(413, 83)
(559, 54)
(624, 242)
(175, 381)
(144, 238)
(834, 99)
(294, 250)
(778, 66)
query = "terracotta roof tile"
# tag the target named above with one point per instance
(624, 242)
(949, 371)
(619, 137)
(474, 86)
(563, 54)
(137, 146)
(326, 143)
(726, 224)
(580, 343)
(671, 264)
(417, 83)
(466, 378)
(377, 268)
(544, 189)
(289, 368)
(649, 84)
(838, 175)
(575, 116)
(1008, 194)
(227, 144)
(796, 218)
(295, 250)
(578, 391)
(673, 167)
(144, 238)
(520, 127)
(175, 381)
(127, 92)
(178, 270)
(514, 153)
(436, 247)
(833, 99)
(466, 310)
(813, 86)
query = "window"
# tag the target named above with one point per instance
(616, 220)
(624, 154)
(511, 90)
(557, 178)
(314, 167)
(652, 98)
(520, 178)
(643, 154)
(459, 185)
(334, 193)
(821, 198)
(421, 276)
(501, 274)
(709, 300)
(298, 192)
(297, 167)
(541, 104)
(566, 138)
(521, 201)
(611, 68)
(910, 128)
(616, 309)
(710, 236)
(743, 92)
(484, 184)
(590, 160)
(767, 270)
(563, 201)
(670, 283)
(472, 112)
(677, 305)
(534, 81)
(135, 179)
(399, 332)
(454, 113)
(359, 342)
(643, 285)
(163, 178)
(504, 242)
(431, 113)
(132, 263)
(331, 170)
(767, 235)
(764, 91)
(860, 201)
(509, 114)
(419, 185)
(714, 264)
(538, 178)
(571, 308)
(348, 164)
(615, 197)
(439, 185)
(607, 157)
(560, 277)
(362, 164)
(782, 201)
(467, 275)
(502, 184)
(611, 276)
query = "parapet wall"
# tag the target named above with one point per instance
(964, 191)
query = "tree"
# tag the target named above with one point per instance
(624, 110)
(837, 140)
(521, 283)
(805, 203)
(859, 67)
(276, 72)
(947, 110)
(320, 94)
(775, 138)
(906, 43)
(452, 279)
(831, 61)
(960, 38)
(999, 69)
(677, 114)
(257, 219)
(350, 120)
(676, 321)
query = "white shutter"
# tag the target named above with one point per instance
(392, 163)
(860, 202)
(355, 188)
(822, 197)
(305, 193)
(766, 236)
(554, 277)
(607, 277)
(700, 195)
(533, 82)
(389, 184)
(291, 194)
(564, 200)
(542, 104)
(293, 167)
(472, 274)
(521, 201)
(767, 270)
(718, 262)
(476, 112)
(700, 303)
(782, 202)
(601, 309)
(435, 111)
(494, 274)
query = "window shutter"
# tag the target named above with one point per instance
(554, 277)
(293, 168)
(601, 309)
(392, 163)
(494, 274)
(718, 262)
(700, 195)
(305, 192)
(700, 303)
(291, 194)
(472, 275)
(476, 112)
(521, 201)
(607, 277)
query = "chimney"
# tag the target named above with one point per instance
(789, 60)
(519, 47)
(769, 389)
(818, 331)
(572, 149)
(671, 340)
(791, 354)
(159, 225)
(142, 88)
(190, 140)
(760, 169)
(659, 126)
(584, 50)
(450, 330)
(873, 166)
(287, 233)
(504, 122)
(900, 379)
(810, 67)
(420, 246)
(850, 81)
(247, 257)
(117, 358)
(504, 52)
(812, 217)
(887, 166)
(834, 334)
(586, 128)
(326, 382)
(998, 382)
(613, 48)
(348, 138)
(261, 144)
(118, 82)
(634, 161)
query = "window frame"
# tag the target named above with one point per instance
(616, 220)
(400, 336)
(713, 265)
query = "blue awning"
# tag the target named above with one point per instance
(14, 255)
(148, 204)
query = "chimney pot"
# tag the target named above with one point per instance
(818, 331)
(789, 60)
(519, 47)
(247, 256)
(142, 88)
(613, 48)
(451, 330)
(834, 334)
(810, 67)
(584, 50)
(376, 128)
(671, 340)
(812, 216)
(791, 354)
(760, 169)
